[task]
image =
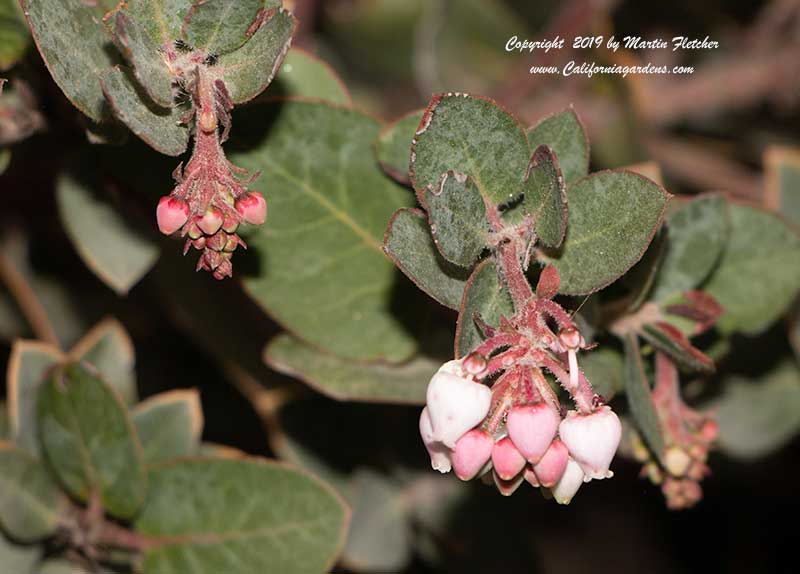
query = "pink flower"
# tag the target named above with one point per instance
(552, 465)
(440, 454)
(569, 483)
(252, 207)
(471, 454)
(211, 221)
(456, 404)
(532, 428)
(592, 440)
(508, 462)
(171, 214)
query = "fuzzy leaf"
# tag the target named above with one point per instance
(347, 381)
(14, 35)
(782, 192)
(564, 133)
(759, 273)
(640, 396)
(393, 146)
(58, 28)
(249, 70)
(673, 342)
(604, 368)
(274, 519)
(117, 253)
(160, 128)
(457, 216)
(757, 418)
(30, 501)
(305, 75)
(169, 425)
(323, 274)
(90, 442)
(613, 216)
(109, 349)
(19, 558)
(473, 136)
(485, 297)
(221, 26)
(28, 367)
(141, 31)
(696, 236)
(544, 198)
(409, 244)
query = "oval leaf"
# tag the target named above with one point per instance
(613, 216)
(758, 276)
(14, 37)
(169, 425)
(393, 146)
(485, 299)
(221, 26)
(305, 75)
(473, 136)
(564, 133)
(30, 501)
(117, 253)
(274, 519)
(347, 381)
(90, 442)
(323, 274)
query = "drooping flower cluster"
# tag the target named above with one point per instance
(493, 413)
(209, 201)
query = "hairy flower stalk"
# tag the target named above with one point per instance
(209, 200)
(494, 410)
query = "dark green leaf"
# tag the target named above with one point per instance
(485, 298)
(544, 198)
(473, 136)
(14, 35)
(305, 75)
(696, 236)
(58, 29)
(613, 215)
(393, 146)
(457, 216)
(221, 26)
(759, 274)
(348, 381)
(117, 253)
(273, 519)
(409, 244)
(757, 418)
(673, 342)
(249, 70)
(28, 367)
(323, 274)
(564, 133)
(159, 127)
(782, 192)
(604, 368)
(30, 501)
(640, 396)
(169, 425)
(90, 442)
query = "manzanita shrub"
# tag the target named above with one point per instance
(563, 319)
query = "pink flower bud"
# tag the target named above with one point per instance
(592, 440)
(194, 231)
(552, 465)
(532, 428)
(474, 364)
(676, 461)
(207, 121)
(508, 462)
(456, 404)
(211, 221)
(569, 484)
(230, 224)
(217, 241)
(507, 487)
(253, 207)
(440, 454)
(530, 477)
(471, 454)
(710, 431)
(171, 214)
(570, 338)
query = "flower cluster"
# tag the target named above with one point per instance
(494, 411)
(209, 202)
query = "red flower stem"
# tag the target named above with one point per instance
(511, 269)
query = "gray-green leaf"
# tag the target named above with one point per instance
(90, 442)
(640, 396)
(613, 216)
(305, 75)
(169, 425)
(485, 298)
(564, 133)
(393, 146)
(758, 276)
(408, 242)
(347, 381)
(14, 37)
(323, 274)
(221, 26)
(273, 519)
